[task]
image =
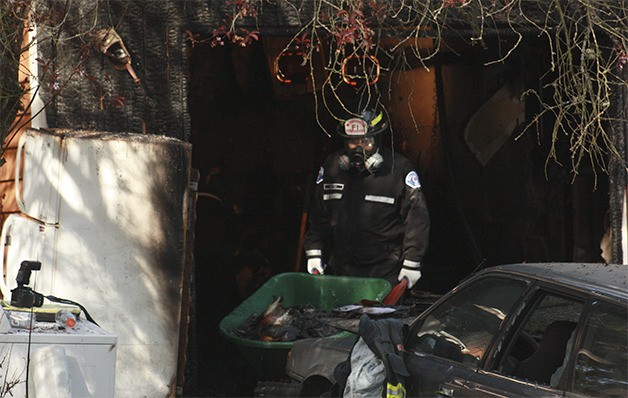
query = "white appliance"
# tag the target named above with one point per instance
(78, 362)
(105, 214)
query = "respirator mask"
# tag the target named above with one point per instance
(361, 153)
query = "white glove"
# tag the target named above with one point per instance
(413, 276)
(315, 265)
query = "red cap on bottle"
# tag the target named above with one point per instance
(70, 322)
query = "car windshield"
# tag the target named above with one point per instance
(462, 327)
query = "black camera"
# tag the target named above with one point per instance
(24, 296)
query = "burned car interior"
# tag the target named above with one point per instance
(543, 364)
(544, 340)
(462, 329)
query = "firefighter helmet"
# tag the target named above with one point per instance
(367, 122)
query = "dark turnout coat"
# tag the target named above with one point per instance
(368, 224)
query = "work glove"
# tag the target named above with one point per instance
(413, 274)
(315, 266)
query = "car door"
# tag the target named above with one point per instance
(533, 353)
(600, 363)
(447, 344)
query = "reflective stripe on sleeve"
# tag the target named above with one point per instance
(411, 264)
(314, 253)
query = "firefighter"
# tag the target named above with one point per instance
(368, 200)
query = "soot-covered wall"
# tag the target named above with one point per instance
(83, 90)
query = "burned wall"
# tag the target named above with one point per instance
(84, 90)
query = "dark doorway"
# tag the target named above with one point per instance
(268, 143)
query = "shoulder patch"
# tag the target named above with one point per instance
(319, 177)
(412, 180)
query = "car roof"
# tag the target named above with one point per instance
(605, 279)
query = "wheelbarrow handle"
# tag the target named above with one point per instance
(396, 292)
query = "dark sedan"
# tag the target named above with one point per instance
(551, 330)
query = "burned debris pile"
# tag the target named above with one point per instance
(279, 323)
(287, 324)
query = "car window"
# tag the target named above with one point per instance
(600, 368)
(541, 346)
(462, 327)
